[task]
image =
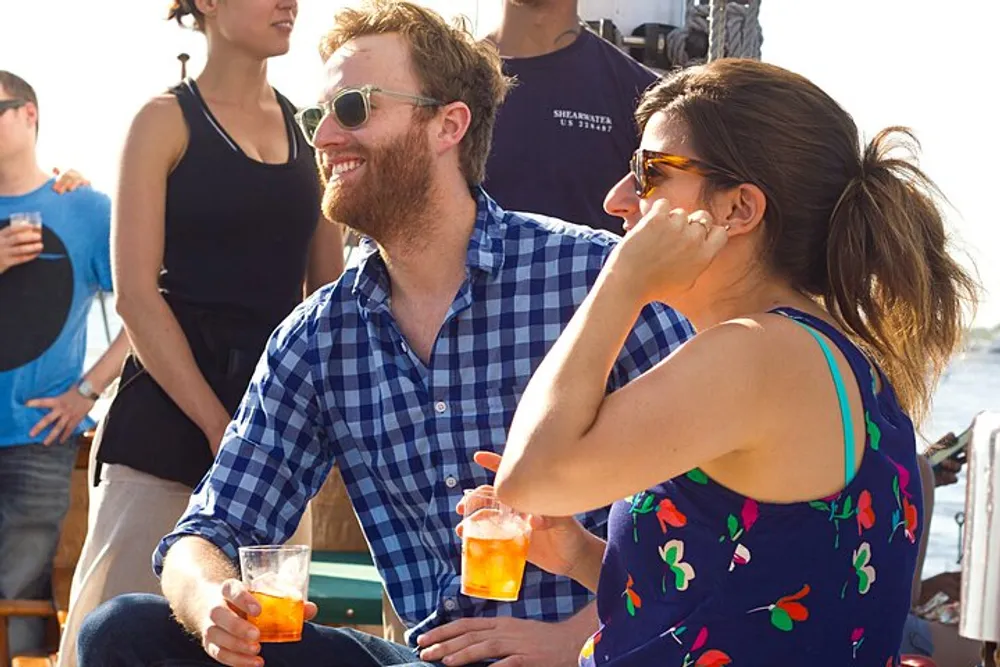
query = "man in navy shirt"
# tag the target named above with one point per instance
(566, 132)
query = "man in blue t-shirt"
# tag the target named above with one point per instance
(566, 131)
(54, 258)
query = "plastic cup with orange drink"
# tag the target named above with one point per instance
(495, 540)
(278, 577)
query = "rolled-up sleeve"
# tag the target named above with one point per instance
(274, 456)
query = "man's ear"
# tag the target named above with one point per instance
(452, 123)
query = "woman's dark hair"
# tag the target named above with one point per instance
(860, 230)
(181, 8)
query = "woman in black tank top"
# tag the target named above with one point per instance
(217, 224)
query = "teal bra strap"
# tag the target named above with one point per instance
(845, 406)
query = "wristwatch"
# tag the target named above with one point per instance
(86, 390)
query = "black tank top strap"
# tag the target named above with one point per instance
(204, 131)
(296, 141)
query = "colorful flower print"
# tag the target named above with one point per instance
(632, 599)
(713, 658)
(786, 610)
(863, 568)
(741, 556)
(835, 513)
(588, 648)
(668, 514)
(857, 639)
(748, 517)
(865, 512)
(905, 515)
(672, 554)
(697, 475)
(640, 503)
(874, 432)
(710, 658)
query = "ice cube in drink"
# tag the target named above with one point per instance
(494, 549)
(278, 578)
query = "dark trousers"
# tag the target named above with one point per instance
(138, 630)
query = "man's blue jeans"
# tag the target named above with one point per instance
(34, 497)
(138, 631)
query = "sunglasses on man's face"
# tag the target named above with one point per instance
(351, 108)
(645, 171)
(15, 103)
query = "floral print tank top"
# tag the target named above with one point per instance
(696, 575)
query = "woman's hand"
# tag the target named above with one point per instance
(667, 251)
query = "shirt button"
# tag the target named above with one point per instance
(450, 482)
(440, 407)
(450, 604)
(404, 348)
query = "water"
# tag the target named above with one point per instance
(971, 384)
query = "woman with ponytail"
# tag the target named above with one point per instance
(773, 503)
(216, 236)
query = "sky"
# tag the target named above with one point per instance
(888, 62)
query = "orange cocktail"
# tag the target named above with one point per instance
(280, 619)
(495, 542)
(278, 578)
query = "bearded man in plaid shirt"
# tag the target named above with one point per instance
(397, 373)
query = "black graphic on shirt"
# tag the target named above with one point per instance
(35, 300)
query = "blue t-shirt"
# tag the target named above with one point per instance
(44, 304)
(566, 131)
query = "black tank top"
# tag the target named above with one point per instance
(237, 235)
(236, 227)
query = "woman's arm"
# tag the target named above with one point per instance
(326, 255)
(155, 143)
(571, 448)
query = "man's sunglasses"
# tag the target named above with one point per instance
(644, 169)
(351, 108)
(15, 103)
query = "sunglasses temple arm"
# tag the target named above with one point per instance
(424, 101)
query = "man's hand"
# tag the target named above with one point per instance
(65, 414)
(68, 181)
(19, 245)
(517, 642)
(946, 472)
(949, 583)
(225, 633)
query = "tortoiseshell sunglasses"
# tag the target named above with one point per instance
(644, 171)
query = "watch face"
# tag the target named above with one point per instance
(86, 389)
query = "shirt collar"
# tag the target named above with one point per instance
(485, 253)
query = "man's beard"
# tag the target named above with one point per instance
(392, 196)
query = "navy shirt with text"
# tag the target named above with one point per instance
(566, 132)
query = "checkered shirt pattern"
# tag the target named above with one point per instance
(338, 384)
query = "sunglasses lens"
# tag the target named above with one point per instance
(350, 109)
(638, 175)
(310, 119)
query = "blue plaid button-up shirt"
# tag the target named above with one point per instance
(338, 384)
